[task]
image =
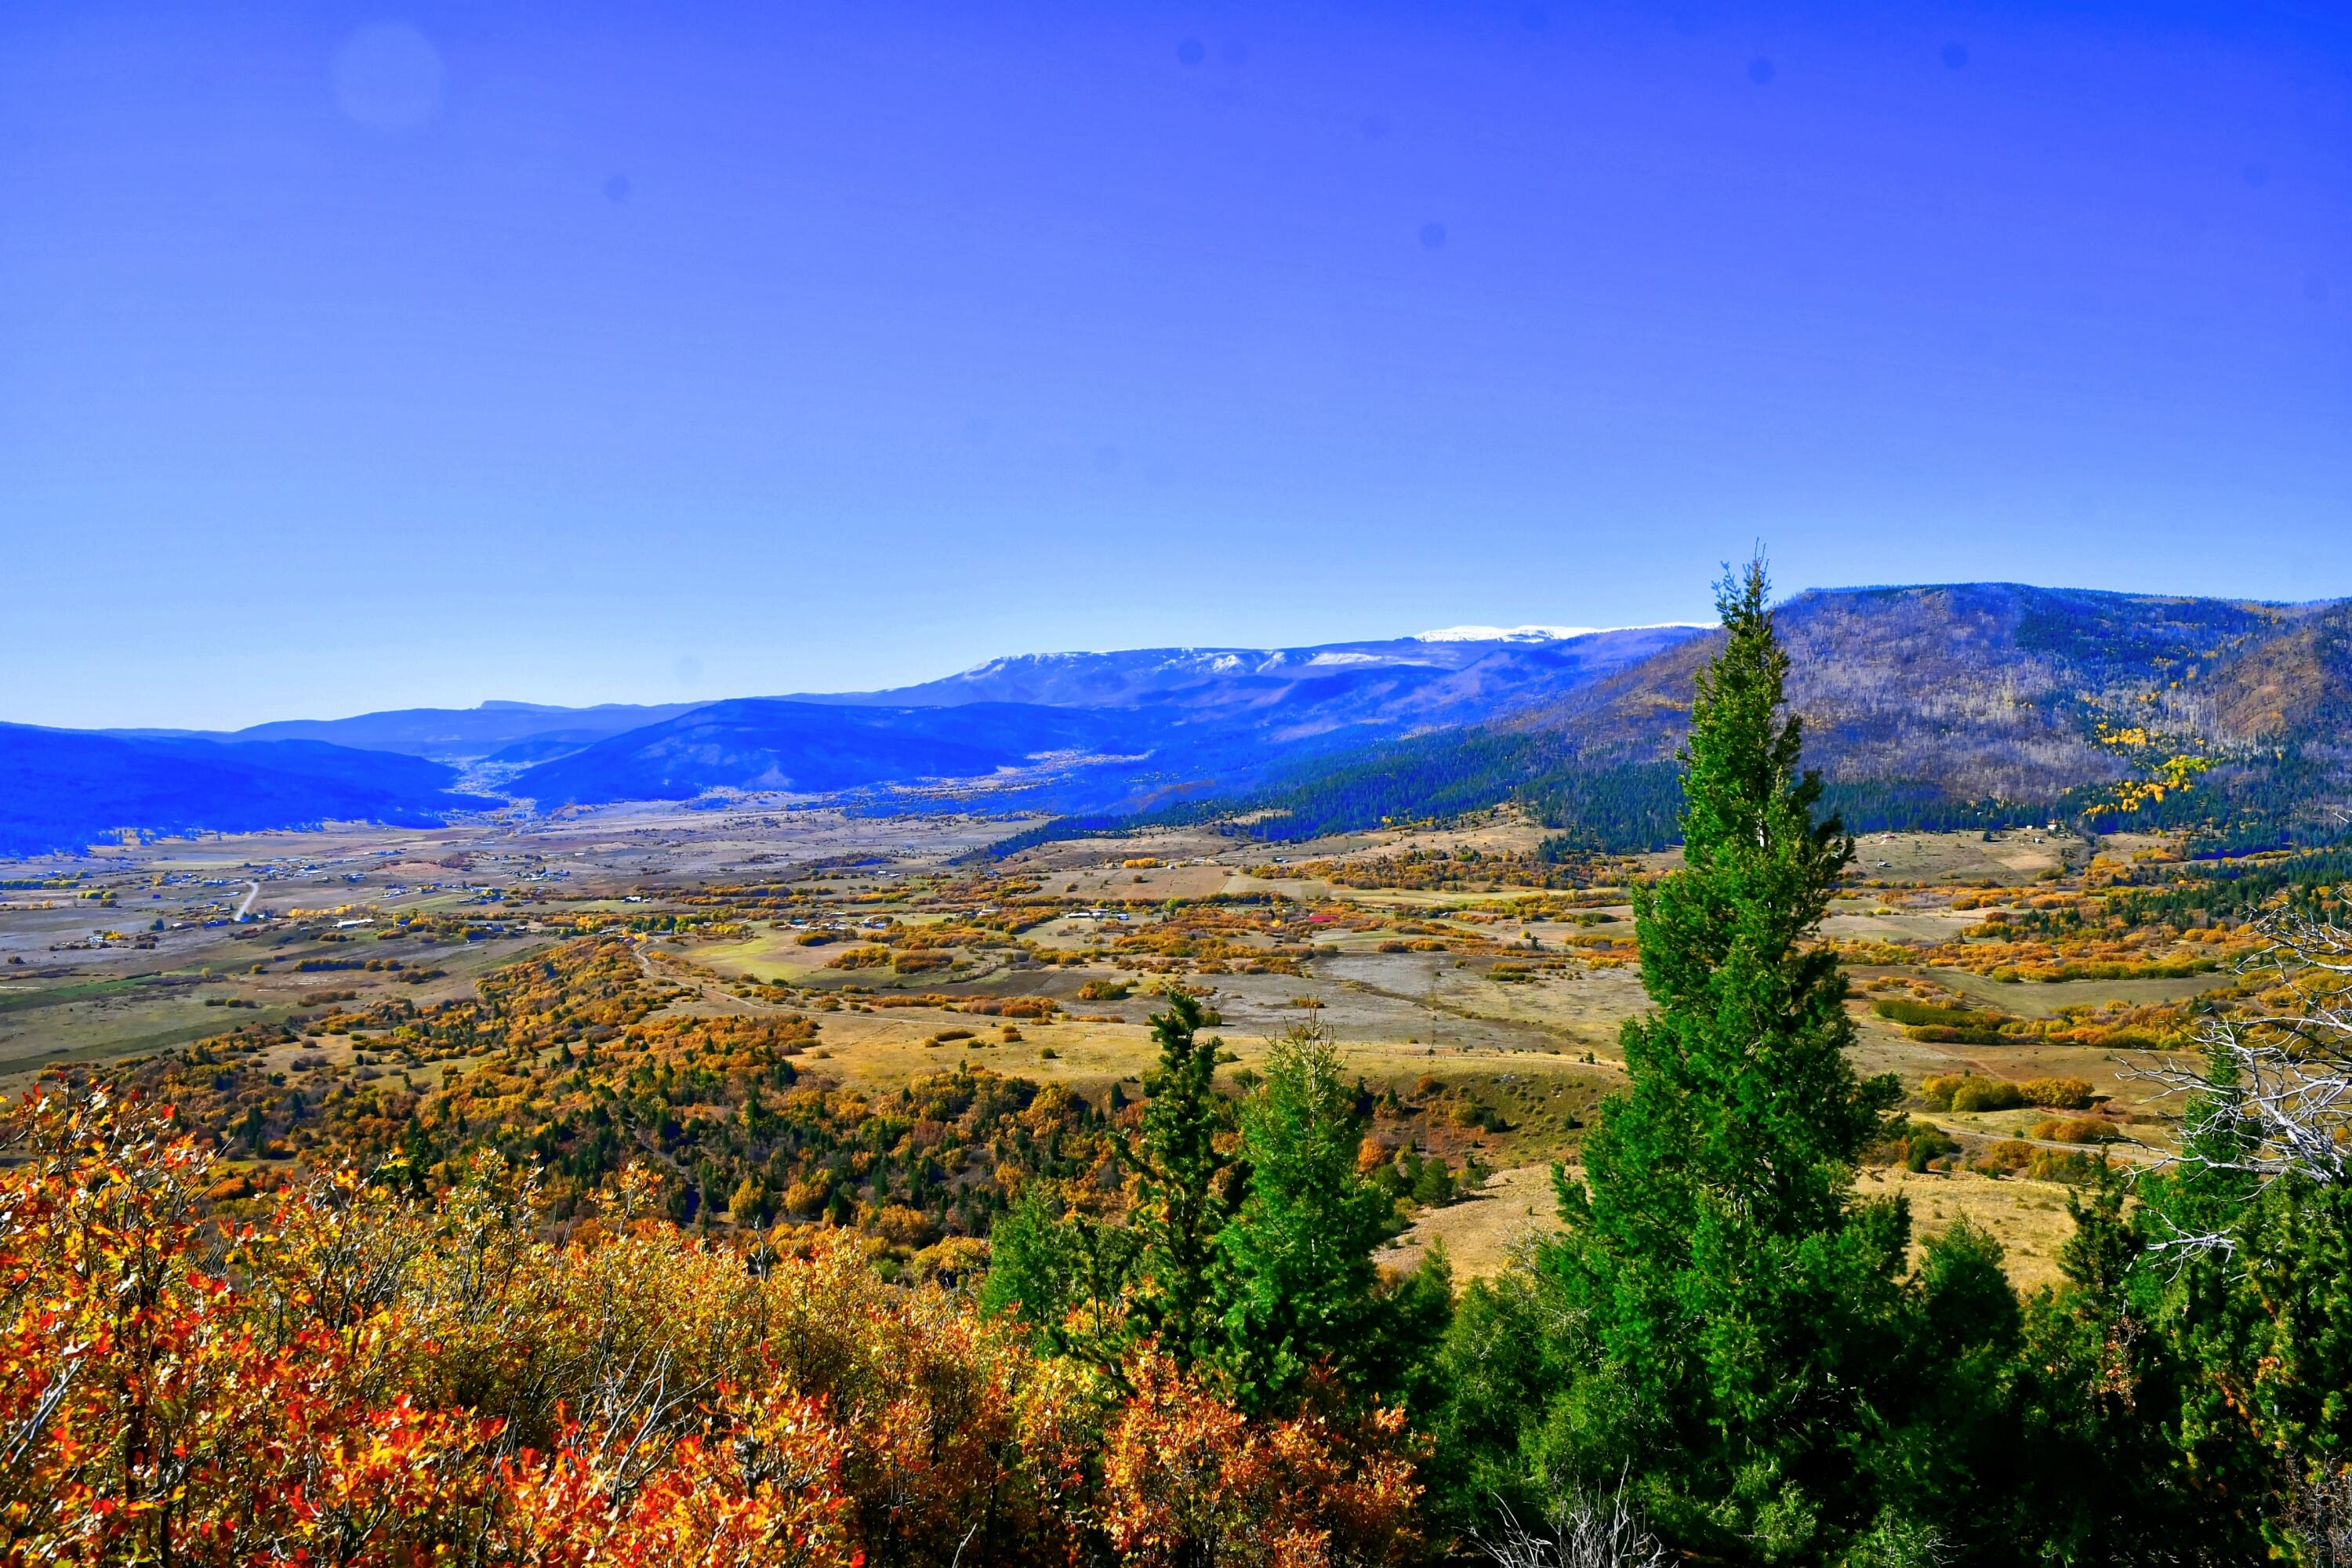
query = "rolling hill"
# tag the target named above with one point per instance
(1933, 706)
(1101, 729)
(771, 744)
(1947, 705)
(1443, 677)
(508, 731)
(62, 789)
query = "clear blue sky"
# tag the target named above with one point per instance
(355, 358)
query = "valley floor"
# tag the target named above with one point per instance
(1485, 1007)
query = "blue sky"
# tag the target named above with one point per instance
(354, 357)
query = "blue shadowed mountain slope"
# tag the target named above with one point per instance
(771, 744)
(1117, 727)
(452, 734)
(1921, 703)
(63, 789)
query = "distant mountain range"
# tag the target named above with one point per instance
(1997, 690)
(62, 789)
(504, 731)
(1935, 705)
(1938, 706)
(1101, 729)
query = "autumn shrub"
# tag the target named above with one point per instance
(346, 1375)
(1968, 1092)
(2005, 1157)
(2060, 1165)
(2074, 1130)
(1986, 1094)
(903, 1226)
(2056, 1093)
(1470, 1113)
(1188, 1481)
(1035, 1007)
(1936, 1090)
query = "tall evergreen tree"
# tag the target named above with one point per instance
(1300, 1286)
(1733, 1298)
(1742, 1101)
(1181, 1181)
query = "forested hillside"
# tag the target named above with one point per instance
(1974, 705)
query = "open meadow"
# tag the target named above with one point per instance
(1477, 994)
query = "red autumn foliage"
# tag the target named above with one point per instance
(358, 1379)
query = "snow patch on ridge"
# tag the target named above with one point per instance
(1507, 633)
(1539, 634)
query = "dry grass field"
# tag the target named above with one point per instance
(1511, 998)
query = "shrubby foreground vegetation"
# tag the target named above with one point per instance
(1178, 1349)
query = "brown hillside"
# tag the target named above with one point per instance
(1996, 690)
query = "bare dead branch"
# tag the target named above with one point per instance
(2272, 1100)
(1583, 1530)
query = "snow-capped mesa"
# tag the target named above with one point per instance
(1544, 634)
(1507, 633)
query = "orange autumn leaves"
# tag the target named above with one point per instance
(358, 1380)
(1192, 1479)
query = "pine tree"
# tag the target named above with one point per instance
(1742, 1099)
(1029, 1274)
(1181, 1185)
(1733, 1297)
(1301, 1289)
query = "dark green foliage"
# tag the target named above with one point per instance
(1426, 1180)
(1615, 807)
(1300, 1288)
(1045, 1266)
(2257, 1319)
(1181, 1191)
(1723, 1323)
(2267, 1330)
(1255, 1263)
(1436, 776)
(1733, 1296)
(1030, 1272)
(1917, 806)
(2238, 888)
(1741, 1101)
(1055, 830)
(1924, 1144)
(1623, 809)
(2101, 1472)
(1502, 1360)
